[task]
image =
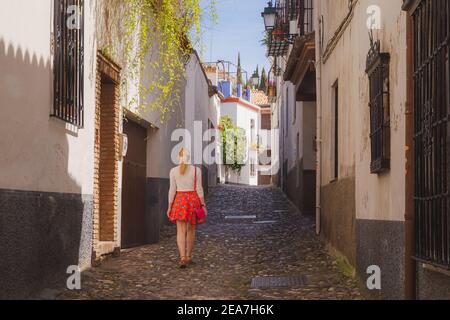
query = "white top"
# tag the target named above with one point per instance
(184, 183)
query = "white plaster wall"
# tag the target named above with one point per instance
(378, 197)
(40, 153)
(214, 106)
(197, 106)
(308, 111)
(244, 118)
(229, 109)
(200, 108)
(275, 140)
(293, 124)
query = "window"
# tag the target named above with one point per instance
(431, 81)
(68, 66)
(380, 137)
(335, 132)
(306, 20)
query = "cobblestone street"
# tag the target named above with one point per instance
(232, 249)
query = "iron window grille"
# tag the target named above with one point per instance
(431, 82)
(68, 67)
(377, 69)
(306, 22)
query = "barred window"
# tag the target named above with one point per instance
(380, 137)
(68, 69)
(306, 20)
(431, 81)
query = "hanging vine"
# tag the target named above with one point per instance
(160, 38)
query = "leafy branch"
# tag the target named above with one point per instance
(234, 144)
(159, 37)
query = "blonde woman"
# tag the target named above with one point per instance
(185, 196)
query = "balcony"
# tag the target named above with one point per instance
(278, 43)
(285, 22)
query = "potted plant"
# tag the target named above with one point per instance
(278, 34)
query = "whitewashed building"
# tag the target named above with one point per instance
(247, 116)
(202, 117)
(69, 193)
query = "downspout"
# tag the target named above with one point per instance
(410, 265)
(319, 126)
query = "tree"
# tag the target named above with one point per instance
(263, 83)
(234, 144)
(239, 70)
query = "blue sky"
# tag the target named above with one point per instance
(240, 29)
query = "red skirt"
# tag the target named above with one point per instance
(183, 208)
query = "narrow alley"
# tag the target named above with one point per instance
(316, 133)
(252, 232)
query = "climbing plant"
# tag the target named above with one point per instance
(233, 144)
(160, 36)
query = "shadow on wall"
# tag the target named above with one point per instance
(42, 229)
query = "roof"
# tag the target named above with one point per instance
(259, 98)
(242, 102)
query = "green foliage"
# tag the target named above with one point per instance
(234, 144)
(239, 70)
(263, 83)
(265, 40)
(159, 39)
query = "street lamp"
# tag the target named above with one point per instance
(269, 15)
(255, 79)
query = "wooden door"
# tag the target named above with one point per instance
(133, 186)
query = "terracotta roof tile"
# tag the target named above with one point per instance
(259, 98)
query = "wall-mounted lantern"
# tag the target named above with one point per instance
(270, 16)
(255, 79)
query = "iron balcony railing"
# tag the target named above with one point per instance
(294, 18)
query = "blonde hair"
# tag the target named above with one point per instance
(183, 164)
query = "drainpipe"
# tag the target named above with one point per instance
(319, 128)
(410, 265)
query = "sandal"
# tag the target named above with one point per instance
(189, 260)
(183, 263)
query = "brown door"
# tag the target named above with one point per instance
(133, 186)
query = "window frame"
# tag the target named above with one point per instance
(68, 63)
(431, 125)
(377, 70)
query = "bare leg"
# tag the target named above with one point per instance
(181, 237)
(191, 230)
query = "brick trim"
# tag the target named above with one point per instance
(106, 156)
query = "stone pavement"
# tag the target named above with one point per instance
(229, 253)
